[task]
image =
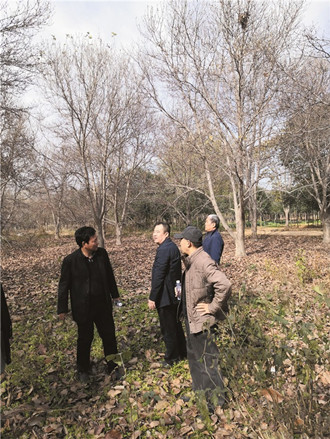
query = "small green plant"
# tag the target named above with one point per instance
(304, 271)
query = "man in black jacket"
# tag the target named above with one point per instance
(87, 275)
(165, 271)
(6, 332)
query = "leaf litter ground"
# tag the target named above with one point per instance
(274, 349)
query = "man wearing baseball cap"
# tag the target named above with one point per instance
(205, 291)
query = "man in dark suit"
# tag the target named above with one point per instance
(88, 276)
(6, 332)
(165, 271)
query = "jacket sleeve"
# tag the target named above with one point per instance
(221, 286)
(111, 277)
(159, 271)
(64, 287)
(6, 326)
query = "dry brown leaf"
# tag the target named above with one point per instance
(98, 429)
(324, 377)
(154, 366)
(154, 424)
(298, 422)
(113, 434)
(185, 430)
(42, 350)
(112, 393)
(161, 405)
(272, 395)
(221, 432)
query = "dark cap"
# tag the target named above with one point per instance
(192, 234)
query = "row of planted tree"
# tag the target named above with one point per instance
(222, 107)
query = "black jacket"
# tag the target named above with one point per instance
(165, 271)
(75, 279)
(6, 329)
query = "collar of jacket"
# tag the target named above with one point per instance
(165, 241)
(86, 257)
(190, 259)
(211, 232)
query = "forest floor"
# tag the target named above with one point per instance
(274, 348)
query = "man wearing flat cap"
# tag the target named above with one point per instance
(205, 291)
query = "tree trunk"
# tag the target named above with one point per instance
(57, 228)
(253, 212)
(240, 232)
(286, 212)
(240, 223)
(100, 232)
(326, 226)
(118, 233)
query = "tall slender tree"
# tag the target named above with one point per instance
(220, 62)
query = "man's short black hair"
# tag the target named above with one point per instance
(166, 226)
(84, 234)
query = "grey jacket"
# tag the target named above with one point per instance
(204, 282)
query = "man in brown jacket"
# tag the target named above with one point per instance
(205, 291)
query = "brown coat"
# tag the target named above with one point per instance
(204, 282)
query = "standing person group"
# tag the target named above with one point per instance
(87, 277)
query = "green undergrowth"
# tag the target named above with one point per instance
(273, 348)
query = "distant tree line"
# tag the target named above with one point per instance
(222, 108)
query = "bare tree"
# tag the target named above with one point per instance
(17, 164)
(134, 150)
(305, 149)
(54, 175)
(101, 115)
(220, 62)
(19, 23)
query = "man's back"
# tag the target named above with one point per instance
(165, 271)
(213, 245)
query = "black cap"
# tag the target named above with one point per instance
(191, 233)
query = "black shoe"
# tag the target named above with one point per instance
(114, 370)
(83, 377)
(111, 366)
(117, 373)
(166, 365)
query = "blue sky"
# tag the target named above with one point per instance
(102, 17)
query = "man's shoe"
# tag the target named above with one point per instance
(114, 370)
(83, 377)
(117, 373)
(111, 366)
(166, 365)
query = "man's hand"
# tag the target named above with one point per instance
(62, 316)
(151, 304)
(203, 308)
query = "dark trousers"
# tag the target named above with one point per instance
(203, 359)
(172, 333)
(101, 315)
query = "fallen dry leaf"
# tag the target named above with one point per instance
(272, 395)
(324, 377)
